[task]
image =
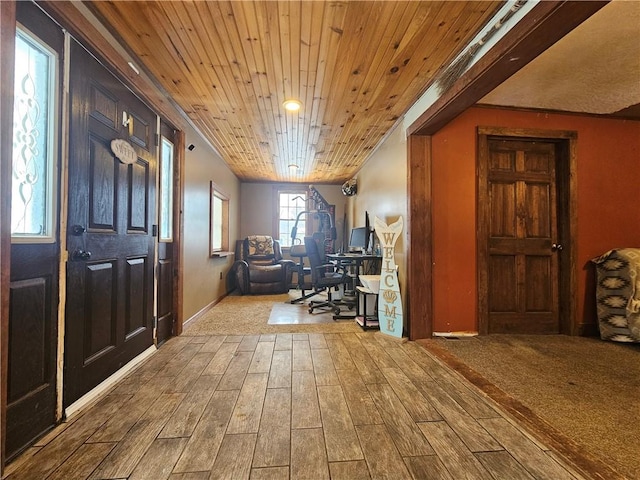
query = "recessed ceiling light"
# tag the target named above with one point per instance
(292, 105)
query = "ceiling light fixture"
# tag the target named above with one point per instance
(292, 105)
(293, 166)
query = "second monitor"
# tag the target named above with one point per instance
(359, 240)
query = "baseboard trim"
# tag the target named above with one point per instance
(202, 311)
(455, 334)
(588, 330)
(97, 392)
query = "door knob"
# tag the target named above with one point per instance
(80, 255)
(556, 247)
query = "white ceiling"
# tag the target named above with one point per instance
(593, 69)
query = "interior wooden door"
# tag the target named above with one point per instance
(518, 254)
(109, 317)
(35, 249)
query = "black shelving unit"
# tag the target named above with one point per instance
(365, 318)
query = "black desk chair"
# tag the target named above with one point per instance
(324, 276)
(298, 251)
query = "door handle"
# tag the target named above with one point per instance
(556, 247)
(80, 255)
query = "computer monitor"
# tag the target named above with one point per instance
(358, 239)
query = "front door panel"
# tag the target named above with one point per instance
(110, 242)
(33, 303)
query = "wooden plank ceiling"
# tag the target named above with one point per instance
(355, 66)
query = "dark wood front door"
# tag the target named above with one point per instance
(109, 314)
(518, 236)
(35, 249)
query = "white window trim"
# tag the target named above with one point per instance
(52, 146)
(304, 192)
(168, 239)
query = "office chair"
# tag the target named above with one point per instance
(324, 276)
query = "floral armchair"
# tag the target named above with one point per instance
(259, 267)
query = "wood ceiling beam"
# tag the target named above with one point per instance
(547, 23)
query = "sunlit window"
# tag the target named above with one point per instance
(290, 204)
(219, 221)
(166, 191)
(34, 145)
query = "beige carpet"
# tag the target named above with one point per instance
(586, 389)
(249, 314)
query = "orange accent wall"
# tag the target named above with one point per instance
(608, 216)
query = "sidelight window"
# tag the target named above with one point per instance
(166, 191)
(34, 141)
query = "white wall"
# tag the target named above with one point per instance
(203, 165)
(382, 192)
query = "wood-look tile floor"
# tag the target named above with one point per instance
(300, 406)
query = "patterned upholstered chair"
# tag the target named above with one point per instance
(259, 267)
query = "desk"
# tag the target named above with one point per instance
(357, 260)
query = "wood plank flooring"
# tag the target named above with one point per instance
(301, 406)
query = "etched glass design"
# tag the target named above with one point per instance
(166, 191)
(33, 140)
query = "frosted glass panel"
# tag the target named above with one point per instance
(33, 140)
(166, 191)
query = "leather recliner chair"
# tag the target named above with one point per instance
(259, 267)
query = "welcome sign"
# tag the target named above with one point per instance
(389, 301)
